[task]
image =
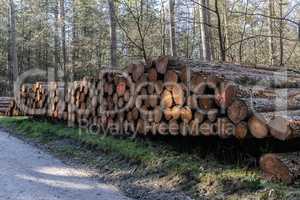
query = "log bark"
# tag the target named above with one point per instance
(261, 105)
(281, 167)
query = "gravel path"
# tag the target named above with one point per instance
(26, 173)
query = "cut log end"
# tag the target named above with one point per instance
(258, 127)
(238, 111)
(241, 130)
(280, 167)
(226, 95)
(152, 74)
(280, 129)
(162, 64)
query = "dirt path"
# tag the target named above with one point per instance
(26, 173)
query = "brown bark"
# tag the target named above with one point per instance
(281, 167)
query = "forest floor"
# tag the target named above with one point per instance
(157, 168)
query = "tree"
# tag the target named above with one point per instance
(243, 34)
(220, 33)
(113, 34)
(139, 24)
(74, 34)
(281, 33)
(163, 28)
(250, 32)
(206, 34)
(12, 56)
(271, 32)
(172, 26)
(57, 62)
(63, 38)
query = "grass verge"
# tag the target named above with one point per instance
(196, 176)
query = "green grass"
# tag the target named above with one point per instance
(138, 151)
(149, 156)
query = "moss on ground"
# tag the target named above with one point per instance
(199, 176)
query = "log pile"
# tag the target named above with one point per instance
(8, 107)
(83, 102)
(167, 97)
(39, 99)
(56, 107)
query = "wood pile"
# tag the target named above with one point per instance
(83, 102)
(39, 99)
(8, 107)
(33, 98)
(167, 97)
(57, 104)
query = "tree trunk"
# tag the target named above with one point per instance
(281, 32)
(74, 38)
(172, 28)
(225, 16)
(13, 59)
(9, 66)
(220, 33)
(299, 30)
(113, 34)
(271, 33)
(46, 45)
(63, 38)
(56, 41)
(163, 28)
(243, 33)
(205, 31)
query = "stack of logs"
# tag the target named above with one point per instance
(164, 98)
(39, 99)
(8, 106)
(159, 98)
